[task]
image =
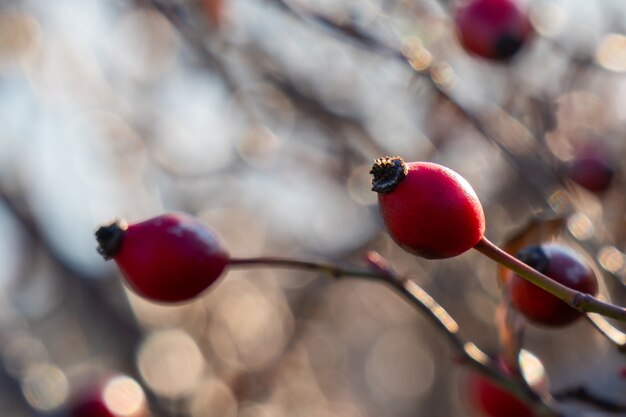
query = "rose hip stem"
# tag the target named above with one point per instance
(332, 270)
(576, 299)
(380, 271)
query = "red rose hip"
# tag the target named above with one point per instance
(170, 258)
(593, 168)
(428, 209)
(562, 265)
(490, 400)
(493, 29)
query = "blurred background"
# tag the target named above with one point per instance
(263, 118)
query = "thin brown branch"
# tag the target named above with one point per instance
(312, 106)
(582, 394)
(332, 270)
(420, 299)
(471, 354)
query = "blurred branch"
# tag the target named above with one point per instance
(22, 216)
(126, 329)
(582, 394)
(313, 107)
(213, 61)
(363, 39)
(421, 300)
(348, 29)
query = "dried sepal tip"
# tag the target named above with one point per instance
(387, 173)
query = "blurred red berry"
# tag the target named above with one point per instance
(493, 29)
(169, 258)
(562, 265)
(115, 396)
(593, 168)
(428, 209)
(490, 400)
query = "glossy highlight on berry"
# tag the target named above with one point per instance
(428, 209)
(170, 258)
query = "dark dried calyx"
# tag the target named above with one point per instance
(110, 238)
(388, 172)
(535, 257)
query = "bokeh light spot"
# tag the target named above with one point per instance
(213, 398)
(171, 363)
(611, 259)
(143, 44)
(443, 75)
(399, 368)
(611, 53)
(548, 19)
(124, 396)
(418, 56)
(580, 226)
(45, 387)
(21, 351)
(248, 329)
(532, 370)
(559, 201)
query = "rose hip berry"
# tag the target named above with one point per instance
(170, 258)
(493, 29)
(428, 209)
(562, 265)
(490, 400)
(114, 396)
(593, 168)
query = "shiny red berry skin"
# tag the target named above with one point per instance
(562, 265)
(593, 168)
(170, 258)
(489, 400)
(493, 29)
(432, 211)
(115, 396)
